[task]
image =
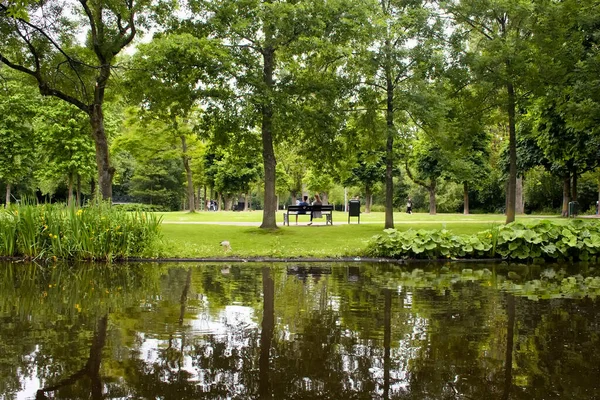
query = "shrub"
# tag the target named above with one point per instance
(141, 207)
(544, 240)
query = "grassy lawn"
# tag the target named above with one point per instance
(340, 217)
(199, 234)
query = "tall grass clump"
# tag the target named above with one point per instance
(95, 232)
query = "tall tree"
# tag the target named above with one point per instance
(500, 53)
(17, 108)
(395, 60)
(430, 162)
(167, 77)
(260, 34)
(43, 41)
(65, 148)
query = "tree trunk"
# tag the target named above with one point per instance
(598, 201)
(432, 204)
(78, 190)
(247, 202)
(91, 368)
(368, 199)
(389, 146)
(566, 191)
(266, 335)
(269, 162)
(574, 187)
(387, 342)
(519, 204)
(466, 210)
(70, 191)
(510, 334)
(198, 198)
(7, 195)
(188, 174)
(512, 145)
(105, 170)
(184, 296)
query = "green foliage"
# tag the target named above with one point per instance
(139, 207)
(428, 244)
(543, 240)
(65, 146)
(17, 105)
(97, 232)
(541, 190)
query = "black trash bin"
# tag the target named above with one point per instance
(354, 209)
(573, 209)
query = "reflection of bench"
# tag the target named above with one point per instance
(325, 209)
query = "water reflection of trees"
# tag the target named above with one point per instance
(322, 332)
(54, 323)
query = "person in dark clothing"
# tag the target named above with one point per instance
(409, 206)
(302, 203)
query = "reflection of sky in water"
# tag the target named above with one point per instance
(29, 383)
(229, 327)
(232, 317)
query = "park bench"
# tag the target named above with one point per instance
(326, 211)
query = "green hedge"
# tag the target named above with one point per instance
(96, 232)
(578, 241)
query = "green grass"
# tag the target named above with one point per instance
(399, 217)
(199, 234)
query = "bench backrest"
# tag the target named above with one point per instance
(298, 208)
(315, 207)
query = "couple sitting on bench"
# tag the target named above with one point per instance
(316, 210)
(314, 213)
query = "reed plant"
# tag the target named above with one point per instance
(95, 232)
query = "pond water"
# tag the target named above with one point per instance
(299, 331)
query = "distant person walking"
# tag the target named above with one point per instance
(409, 206)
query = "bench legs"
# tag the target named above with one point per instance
(286, 219)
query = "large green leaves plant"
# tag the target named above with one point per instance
(545, 240)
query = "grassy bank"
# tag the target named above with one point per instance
(199, 235)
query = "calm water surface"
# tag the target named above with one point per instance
(299, 331)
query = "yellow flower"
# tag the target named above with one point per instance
(78, 307)
(79, 212)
